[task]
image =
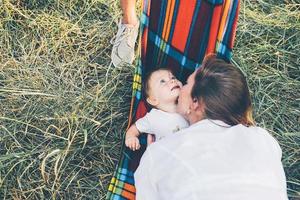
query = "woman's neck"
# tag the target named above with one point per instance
(195, 117)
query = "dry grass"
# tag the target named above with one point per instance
(62, 107)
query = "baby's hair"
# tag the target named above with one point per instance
(145, 84)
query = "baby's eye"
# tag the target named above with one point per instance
(162, 81)
(173, 77)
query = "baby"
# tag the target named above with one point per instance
(161, 89)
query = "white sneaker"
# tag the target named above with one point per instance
(123, 44)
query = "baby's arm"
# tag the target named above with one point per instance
(131, 139)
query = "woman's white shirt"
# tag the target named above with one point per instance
(212, 161)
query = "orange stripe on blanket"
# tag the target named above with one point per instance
(148, 6)
(128, 195)
(224, 19)
(129, 191)
(129, 187)
(183, 23)
(168, 21)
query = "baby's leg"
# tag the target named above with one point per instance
(129, 14)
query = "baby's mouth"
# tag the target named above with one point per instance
(175, 87)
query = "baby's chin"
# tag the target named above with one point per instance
(176, 101)
(175, 98)
(176, 94)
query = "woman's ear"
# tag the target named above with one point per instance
(198, 105)
(152, 101)
(195, 104)
(198, 108)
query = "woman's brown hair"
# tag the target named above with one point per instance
(223, 89)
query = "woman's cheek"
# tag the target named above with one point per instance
(180, 107)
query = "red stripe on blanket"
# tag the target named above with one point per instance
(183, 23)
(144, 41)
(141, 110)
(214, 28)
(234, 26)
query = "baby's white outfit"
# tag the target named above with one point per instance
(161, 123)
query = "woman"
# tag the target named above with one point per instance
(176, 35)
(222, 155)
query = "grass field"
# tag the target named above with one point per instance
(63, 110)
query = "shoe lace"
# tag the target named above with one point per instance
(124, 34)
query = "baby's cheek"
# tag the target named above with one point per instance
(180, 110)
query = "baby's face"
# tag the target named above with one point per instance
(164, 87)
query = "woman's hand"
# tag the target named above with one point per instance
(132, 142)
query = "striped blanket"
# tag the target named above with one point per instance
(176, 34)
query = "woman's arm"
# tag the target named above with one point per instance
(145, 186)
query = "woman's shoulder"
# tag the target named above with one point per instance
(255, 131)
(265, 136)
(259, 130)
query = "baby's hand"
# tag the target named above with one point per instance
(132, 142)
